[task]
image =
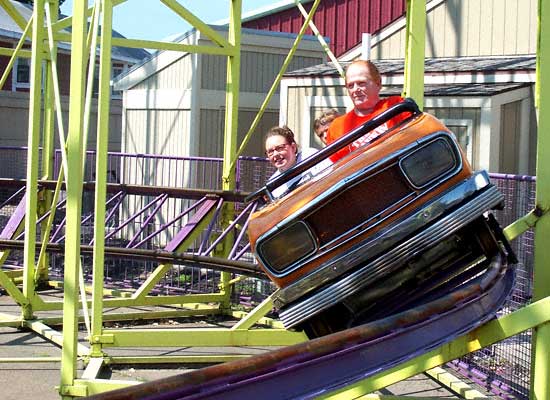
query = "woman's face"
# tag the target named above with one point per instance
(281, 154)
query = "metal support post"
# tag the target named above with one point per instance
(414, 51)
(74, 196)
(101, 172)
(46, 196)
(540, 363)
(230, 138)
(32, 157)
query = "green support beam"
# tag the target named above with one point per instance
(74, 195)
(48, 141)
(540, 369)
(203, 27)
(35, 109)
(415, 51)
(101, 172)
(533, 315)
(200, 337)
(232, 92)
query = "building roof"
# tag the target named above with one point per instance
(485, 65)
(459, 90)
(162, 58)
(9, 29)
(472, 76)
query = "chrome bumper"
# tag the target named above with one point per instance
(389, 249)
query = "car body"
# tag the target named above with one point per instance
(399, 220)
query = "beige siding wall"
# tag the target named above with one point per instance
(297, 106)
(458, 28)
(14, 114)
(258, 70)
(177, 75)
(212, 134)
(510, 140)
(156, 131)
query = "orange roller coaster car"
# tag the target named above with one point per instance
(398, 222)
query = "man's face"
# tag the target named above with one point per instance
(281, 154)
(363, 91)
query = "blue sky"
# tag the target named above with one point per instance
(152, 20)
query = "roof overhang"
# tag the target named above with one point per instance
(437, 71)
(250, 39)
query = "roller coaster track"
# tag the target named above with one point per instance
(327, 364)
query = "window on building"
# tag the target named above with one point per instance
(22, 69)
(117, 70)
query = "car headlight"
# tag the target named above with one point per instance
(278, 251)
(430, 162)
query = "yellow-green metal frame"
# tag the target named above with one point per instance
(540, 370)
(535, 315)
(415, 39)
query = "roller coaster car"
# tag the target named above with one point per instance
(398, 222)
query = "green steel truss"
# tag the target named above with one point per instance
(44, 114)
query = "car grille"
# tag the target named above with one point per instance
(364, 202)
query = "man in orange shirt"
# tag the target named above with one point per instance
(363, 83)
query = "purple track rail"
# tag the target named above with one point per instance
(309, 369)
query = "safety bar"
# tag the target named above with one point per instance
(407, 105)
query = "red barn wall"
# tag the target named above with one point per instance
(342, 21)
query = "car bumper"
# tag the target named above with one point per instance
(383, 253)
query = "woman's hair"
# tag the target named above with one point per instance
(326, 117)
(283, 131)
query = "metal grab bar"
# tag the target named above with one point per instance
(407, 105)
